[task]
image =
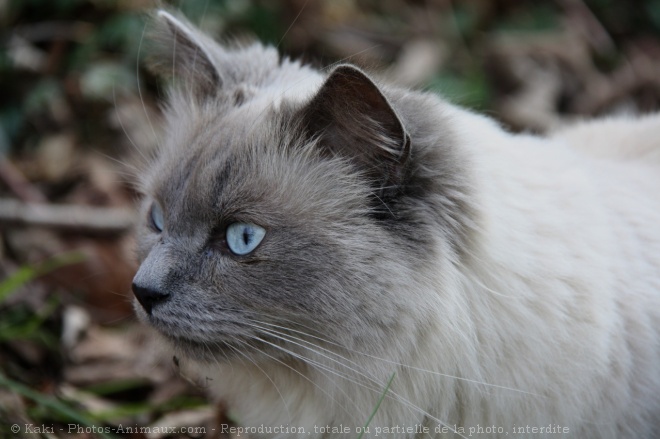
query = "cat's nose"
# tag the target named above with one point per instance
(148, 297)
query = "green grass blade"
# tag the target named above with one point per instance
(28, 273)
(49, 403)
(380, 401)
(22, 276)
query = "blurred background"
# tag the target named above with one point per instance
(77, 104)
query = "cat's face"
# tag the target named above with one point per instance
(201, 240)
(267, 215)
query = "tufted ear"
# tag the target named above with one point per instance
(352, 118)
(179, 50)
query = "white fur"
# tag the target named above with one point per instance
(554, 319)
(551, 319)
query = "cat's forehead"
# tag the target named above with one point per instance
(247, 161)
(198, 154)
(246, 120)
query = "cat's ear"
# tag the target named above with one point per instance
(352, 118)
(180, 51)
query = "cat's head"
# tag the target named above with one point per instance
(286, 203)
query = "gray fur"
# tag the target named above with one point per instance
(343, 221)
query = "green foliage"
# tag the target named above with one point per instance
(377, 406)
(21, 323)
(470, 90)
(27, 273)
(24, 324)
(49, 407)
(89, 52)
(653, 8)
(536, 17)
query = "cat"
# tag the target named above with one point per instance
(324, 249)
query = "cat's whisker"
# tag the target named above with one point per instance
(477, 382)
(139, 87)
(292, 23)
(390, 394)
(377, 390)
(194, 64)
(296, 371)
(329, 342)
(328, 368)
(314, 349)
(121, 124)
(306, 359)
(320, 365)
(343, 60)
(126, 170)
(238, 351)
(208, 346)
(321, 368)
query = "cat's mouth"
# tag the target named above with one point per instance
(222, 348)
(205, 351)
(232, 340)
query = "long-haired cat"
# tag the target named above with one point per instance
(324, 248)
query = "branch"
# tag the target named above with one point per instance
(82, 219)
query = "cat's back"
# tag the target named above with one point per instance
(590, 195)
(623, 138)
(620, 159)
(622, 156)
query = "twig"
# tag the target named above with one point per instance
(18, 184)
(588, 25)
(83, 219)
(47, 31)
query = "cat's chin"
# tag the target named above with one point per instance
(220, 351)
(199, 349)
(204, 352)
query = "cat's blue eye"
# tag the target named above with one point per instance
(243, 238)
(156, 215)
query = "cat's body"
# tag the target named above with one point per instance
(507, 282)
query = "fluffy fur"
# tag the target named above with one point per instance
(507, 281)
